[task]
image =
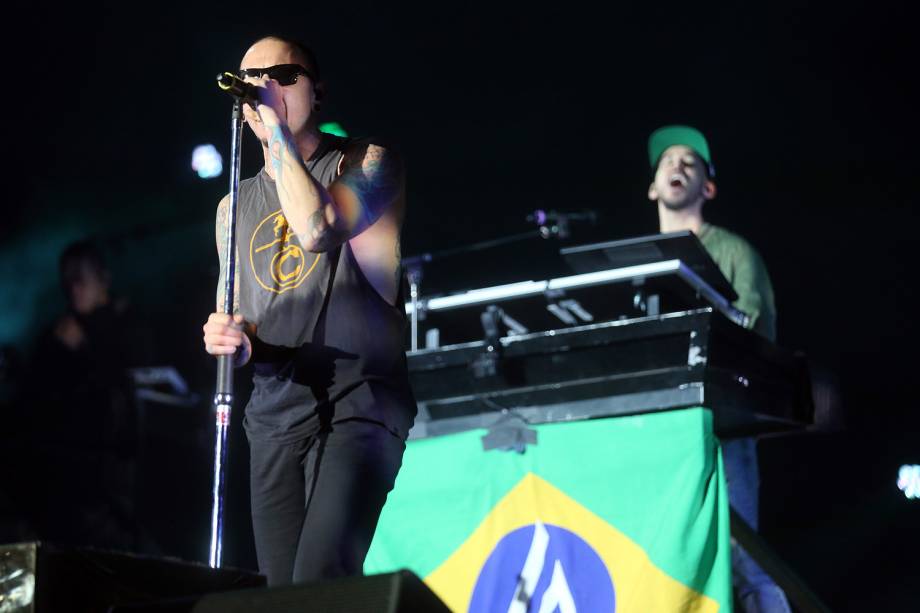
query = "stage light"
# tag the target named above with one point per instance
(909, 481)
(206, 161)
(333, 127)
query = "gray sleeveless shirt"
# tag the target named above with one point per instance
(328, 346)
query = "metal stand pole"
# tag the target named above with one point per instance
(413, 267)
(414, 274)
(552, 224)
(223, 396)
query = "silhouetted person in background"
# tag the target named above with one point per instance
(80, 399)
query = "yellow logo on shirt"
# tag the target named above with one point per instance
(277, 262)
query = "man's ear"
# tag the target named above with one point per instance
(709, 190)
(652, 192)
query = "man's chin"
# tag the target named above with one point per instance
(677, 205)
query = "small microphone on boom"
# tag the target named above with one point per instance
(237, 87)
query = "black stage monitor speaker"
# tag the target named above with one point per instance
(42, 578)
(399, 592)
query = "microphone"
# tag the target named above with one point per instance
(541, 217)
(237, 87)
(556, 223)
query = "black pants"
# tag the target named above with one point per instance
(316, 502)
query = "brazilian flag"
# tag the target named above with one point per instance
(625, 514)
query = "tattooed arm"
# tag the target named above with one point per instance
(370, 184)
(372, 187)
(220, 237)
(223, 334)
(364, 206)
(308, 207)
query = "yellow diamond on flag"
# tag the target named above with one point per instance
(539, 550)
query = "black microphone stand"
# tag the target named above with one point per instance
(223, 396)
(552, 224)
(413, 267)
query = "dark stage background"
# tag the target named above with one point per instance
(810, 112)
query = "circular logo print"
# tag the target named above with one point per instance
(278, 263)
(543, 569)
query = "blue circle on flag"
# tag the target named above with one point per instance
(543, 567)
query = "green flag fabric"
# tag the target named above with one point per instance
(623, 514)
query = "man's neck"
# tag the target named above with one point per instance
(689, 218)
(307, 143)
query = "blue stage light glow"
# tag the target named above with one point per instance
(207, 162)
(909, 481)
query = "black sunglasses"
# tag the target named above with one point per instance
(284, 74)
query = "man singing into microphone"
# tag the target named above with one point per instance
(319, 313)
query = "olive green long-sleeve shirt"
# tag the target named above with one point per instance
(745, 270)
